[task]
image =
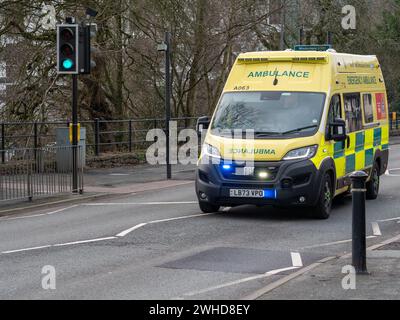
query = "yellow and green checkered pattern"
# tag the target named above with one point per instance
(360, 154)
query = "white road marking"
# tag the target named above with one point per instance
(127, 231)
(26, 249)
(23, 217)
(181, 218)
(41, 214)
(375, 229)
(119, 235)
(119, 174)
(138, 203)
(333, 243)
(47, 204)
(59, 245)
(82, 241)
(285, 279)
(387, 220)
(296, 259)
(232, 283)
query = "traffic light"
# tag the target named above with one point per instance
(86, 34)
(67, 49)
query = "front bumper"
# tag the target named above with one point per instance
(291, 183)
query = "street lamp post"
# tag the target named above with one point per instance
(283, 26)
(166, 47)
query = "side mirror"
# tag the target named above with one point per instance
(337, 130)
(202, 124)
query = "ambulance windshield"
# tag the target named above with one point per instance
(269, 113)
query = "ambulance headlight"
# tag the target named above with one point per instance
(210, 151)
(302, 153)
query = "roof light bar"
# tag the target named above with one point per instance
(283, 59)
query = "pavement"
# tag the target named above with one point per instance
(136, 179)
(156, 244)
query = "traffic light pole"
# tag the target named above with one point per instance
(74, 58)
(168, 99)
(75, 133)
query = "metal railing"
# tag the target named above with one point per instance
(128, 135)
(395, 125)
(101, 135)
(30, 172)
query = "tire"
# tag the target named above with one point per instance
(206, 207)
(373, 184)
(324, 206)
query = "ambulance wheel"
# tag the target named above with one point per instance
(373, 184)
(206, 207)
(324, 206)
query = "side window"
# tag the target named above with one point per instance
(352, 109)
(335, 110)
(368, 109)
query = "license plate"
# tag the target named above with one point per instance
(246, 193)
(244, 171)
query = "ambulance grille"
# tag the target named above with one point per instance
(271, 170)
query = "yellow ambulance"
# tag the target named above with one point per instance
(290, 128)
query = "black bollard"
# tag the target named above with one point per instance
(359, 179)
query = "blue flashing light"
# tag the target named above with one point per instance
(68, 64)
(270, 194)
(227, 167)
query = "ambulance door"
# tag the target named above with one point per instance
(337, 149)
(355, 130)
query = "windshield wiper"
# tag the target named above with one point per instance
(266, 133)
(300, 129)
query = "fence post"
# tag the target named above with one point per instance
(29, 176)
(96, 137)
(81, 175)
(359, 250)
(35, 135)
(130, 136)
(3, 142)
(35, 145)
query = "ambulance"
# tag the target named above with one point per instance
(290, 128)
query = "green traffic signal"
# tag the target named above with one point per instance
(68, 64)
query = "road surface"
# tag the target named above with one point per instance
(157, 245)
